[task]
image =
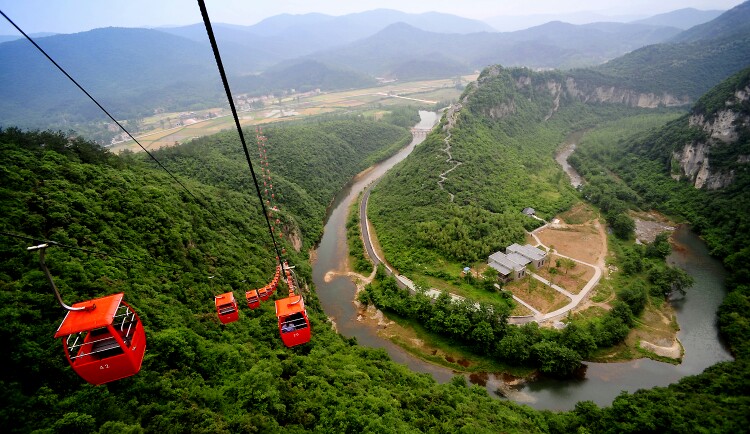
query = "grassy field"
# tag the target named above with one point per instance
(436, 349)
(537, 294)
(166, 132)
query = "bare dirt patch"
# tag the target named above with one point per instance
(583, 242)
(579, 214)
(572, 280)
(537, 294)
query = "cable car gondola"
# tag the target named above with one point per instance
(253, 301)
(294, 326)
(226, 307)
(105, 341)
(264, 293)
(103, 338)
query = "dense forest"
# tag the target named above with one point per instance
(200, 376)
(310, 162)
(121, 224)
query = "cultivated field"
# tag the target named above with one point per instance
(166, 132)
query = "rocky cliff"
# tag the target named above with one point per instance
(713, 160)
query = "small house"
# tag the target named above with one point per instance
(529, 211)
(506, 268)
(529, 253)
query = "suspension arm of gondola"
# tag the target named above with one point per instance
(220, 65)
(42, 248)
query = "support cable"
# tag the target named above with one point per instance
(220, 65)
(41, 50)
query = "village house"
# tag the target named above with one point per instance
(507, 269)
(511, 265)
(531, 253)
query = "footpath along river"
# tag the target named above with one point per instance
(602, 382)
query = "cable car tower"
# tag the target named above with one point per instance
(290, 311)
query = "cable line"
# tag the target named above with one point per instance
(41, 50)
(220, 65)
(55, 243)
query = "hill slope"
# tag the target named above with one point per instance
(552, 45)
(681, 18)
(710, 53)
(734, 22)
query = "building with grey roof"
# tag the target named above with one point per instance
(531, 253)
(511, 265)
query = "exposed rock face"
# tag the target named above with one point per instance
(617, 95)
(722, 128)
(502, 110)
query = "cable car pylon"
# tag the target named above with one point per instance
(291, 308)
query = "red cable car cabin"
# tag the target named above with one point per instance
(226, 307)
(294, 325)
(105, 341)
(253, 301)
(264, 293)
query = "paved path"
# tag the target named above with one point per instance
(405, 283)
(451, 116)
(576, 299)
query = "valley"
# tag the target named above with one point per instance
(431, 142)
(367, 101)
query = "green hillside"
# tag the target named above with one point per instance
(199, 376)
(691, 63)
(311, 162)
(504, 138)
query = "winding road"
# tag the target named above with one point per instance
(405, 283)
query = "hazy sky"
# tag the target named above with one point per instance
(69, 16)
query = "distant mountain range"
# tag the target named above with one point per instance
(692, 62)
(681, 18)
(288, 36)
(552, 45)
(136, 71)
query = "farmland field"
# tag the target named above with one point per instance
(165, 132)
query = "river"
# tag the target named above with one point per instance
(603, 381)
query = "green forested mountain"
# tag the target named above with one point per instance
(135, 72)
(131, 71)
(310, 162)
(199, 376)
(734, 22)
(553, 45)
(696, 167)
(681, 18)
(501, 144)
(692, 63)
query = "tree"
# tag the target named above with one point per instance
(489, 276)
(555, 359)
(578, 339)
(660, 247)
(567, 263)
(635, 296)
(668, 280)
(622, 226)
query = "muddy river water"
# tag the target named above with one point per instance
(602, 382)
